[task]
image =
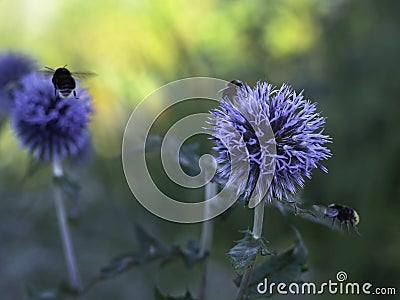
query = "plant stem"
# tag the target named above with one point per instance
(74, 277)
(244, 284)
(207, 226)
(257, 232)
(206, 236)
(258, 220)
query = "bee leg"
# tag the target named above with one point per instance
(295, 209)
(340, 225)
(356, 230)
(348, 227)
(75, 94)
(333, 222)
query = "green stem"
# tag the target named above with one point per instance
(68, 248)
(207, 226)
(258, 220)
(206, 236)
(257, 232)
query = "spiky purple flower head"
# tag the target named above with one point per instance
(49, 126)
(13, 66)
(263, 116)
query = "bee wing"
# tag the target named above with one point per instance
(82, 75)
(331, 212)
(327, 211)
(46, 72)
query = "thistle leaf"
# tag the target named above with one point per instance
(150, 249)
(244, 253)
(286, 267)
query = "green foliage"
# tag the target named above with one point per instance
(244, 253)
(159, 296)
(151, 249)
(190, 253)
(294, 208)
(63, 291)
(286, 267)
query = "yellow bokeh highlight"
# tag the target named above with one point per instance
(292, 30)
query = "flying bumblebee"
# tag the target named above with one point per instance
(64, 81)
(343, 214)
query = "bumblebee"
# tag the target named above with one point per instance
(343, 214)
(230, 89)
(63, 80)
(236, 82)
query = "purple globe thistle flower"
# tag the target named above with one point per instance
(51, 127)
(13, 66)
(283, 137)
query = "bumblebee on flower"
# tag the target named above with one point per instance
(49, 126)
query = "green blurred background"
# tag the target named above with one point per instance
(344, 54)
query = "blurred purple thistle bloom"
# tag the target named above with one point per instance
(49, 126)
(13, 66)
(297, 129)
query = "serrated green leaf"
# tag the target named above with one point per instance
(244, 253)
(149, 250)
(119, 265)
(158, 295)
(190, 253)
(286, 267)
(293, 207)
(150, 247)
